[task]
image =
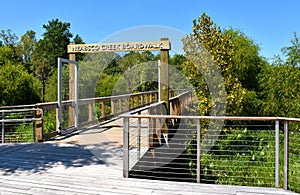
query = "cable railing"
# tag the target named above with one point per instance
(18, 123)
(245, 151)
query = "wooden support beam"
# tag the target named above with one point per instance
(164, 76)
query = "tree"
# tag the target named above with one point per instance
(293, 52)
(247, 63)
(6, 55)
(177, 61)
(90, 70)
(139, 71)
(25, 49)
(17, 87)
(214, 46)
(78, 40)
(280, 91)
(56, 37)
(9, 39)
(54, 44)
(279, 84)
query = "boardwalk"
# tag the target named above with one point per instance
(88, 163)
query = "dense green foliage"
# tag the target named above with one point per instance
(17, 86)
(254, 88)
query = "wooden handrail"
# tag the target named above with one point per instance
(118, 104)
(231, 118)
(127, 99)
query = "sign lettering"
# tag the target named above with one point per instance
(120, 47)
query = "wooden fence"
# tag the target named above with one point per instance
(106, 108)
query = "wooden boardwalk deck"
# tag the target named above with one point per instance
(89, 163)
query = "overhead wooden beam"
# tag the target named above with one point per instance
(163, 44)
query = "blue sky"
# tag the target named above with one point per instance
(270, 23)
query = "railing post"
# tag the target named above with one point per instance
(286, 163)
(3, 128)
(112, 106)
(152, 128)
(137, 100)
(102, 109)
(58, 121)
(139, 137)
(150, 98)
(33, 127)
(148, 131)
(198, 150)
(120, 106)
(127, 107)
(90, 112)
(39, 127)
(126, 147)
(142, 99)
(276, 154)
(131, 102)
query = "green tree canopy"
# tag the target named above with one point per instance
(55, 40)
(6, 55)
(208, 36)
(279, 84)
(17, 87)
(293, 52)
(247, 62)
(25, 48)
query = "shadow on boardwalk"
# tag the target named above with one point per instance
(44, 156)
(99, 146)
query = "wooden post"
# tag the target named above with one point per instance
(112, 106)
(102, 109)
(72, 56)
(142, 99)
(90, 112)
(151, 98)
(137, 99)
(164, 76)
(164, 83)
(131, 102)
(39, 127)
(127, 105)
(120, 105)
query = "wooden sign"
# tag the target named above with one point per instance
(120, 47)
